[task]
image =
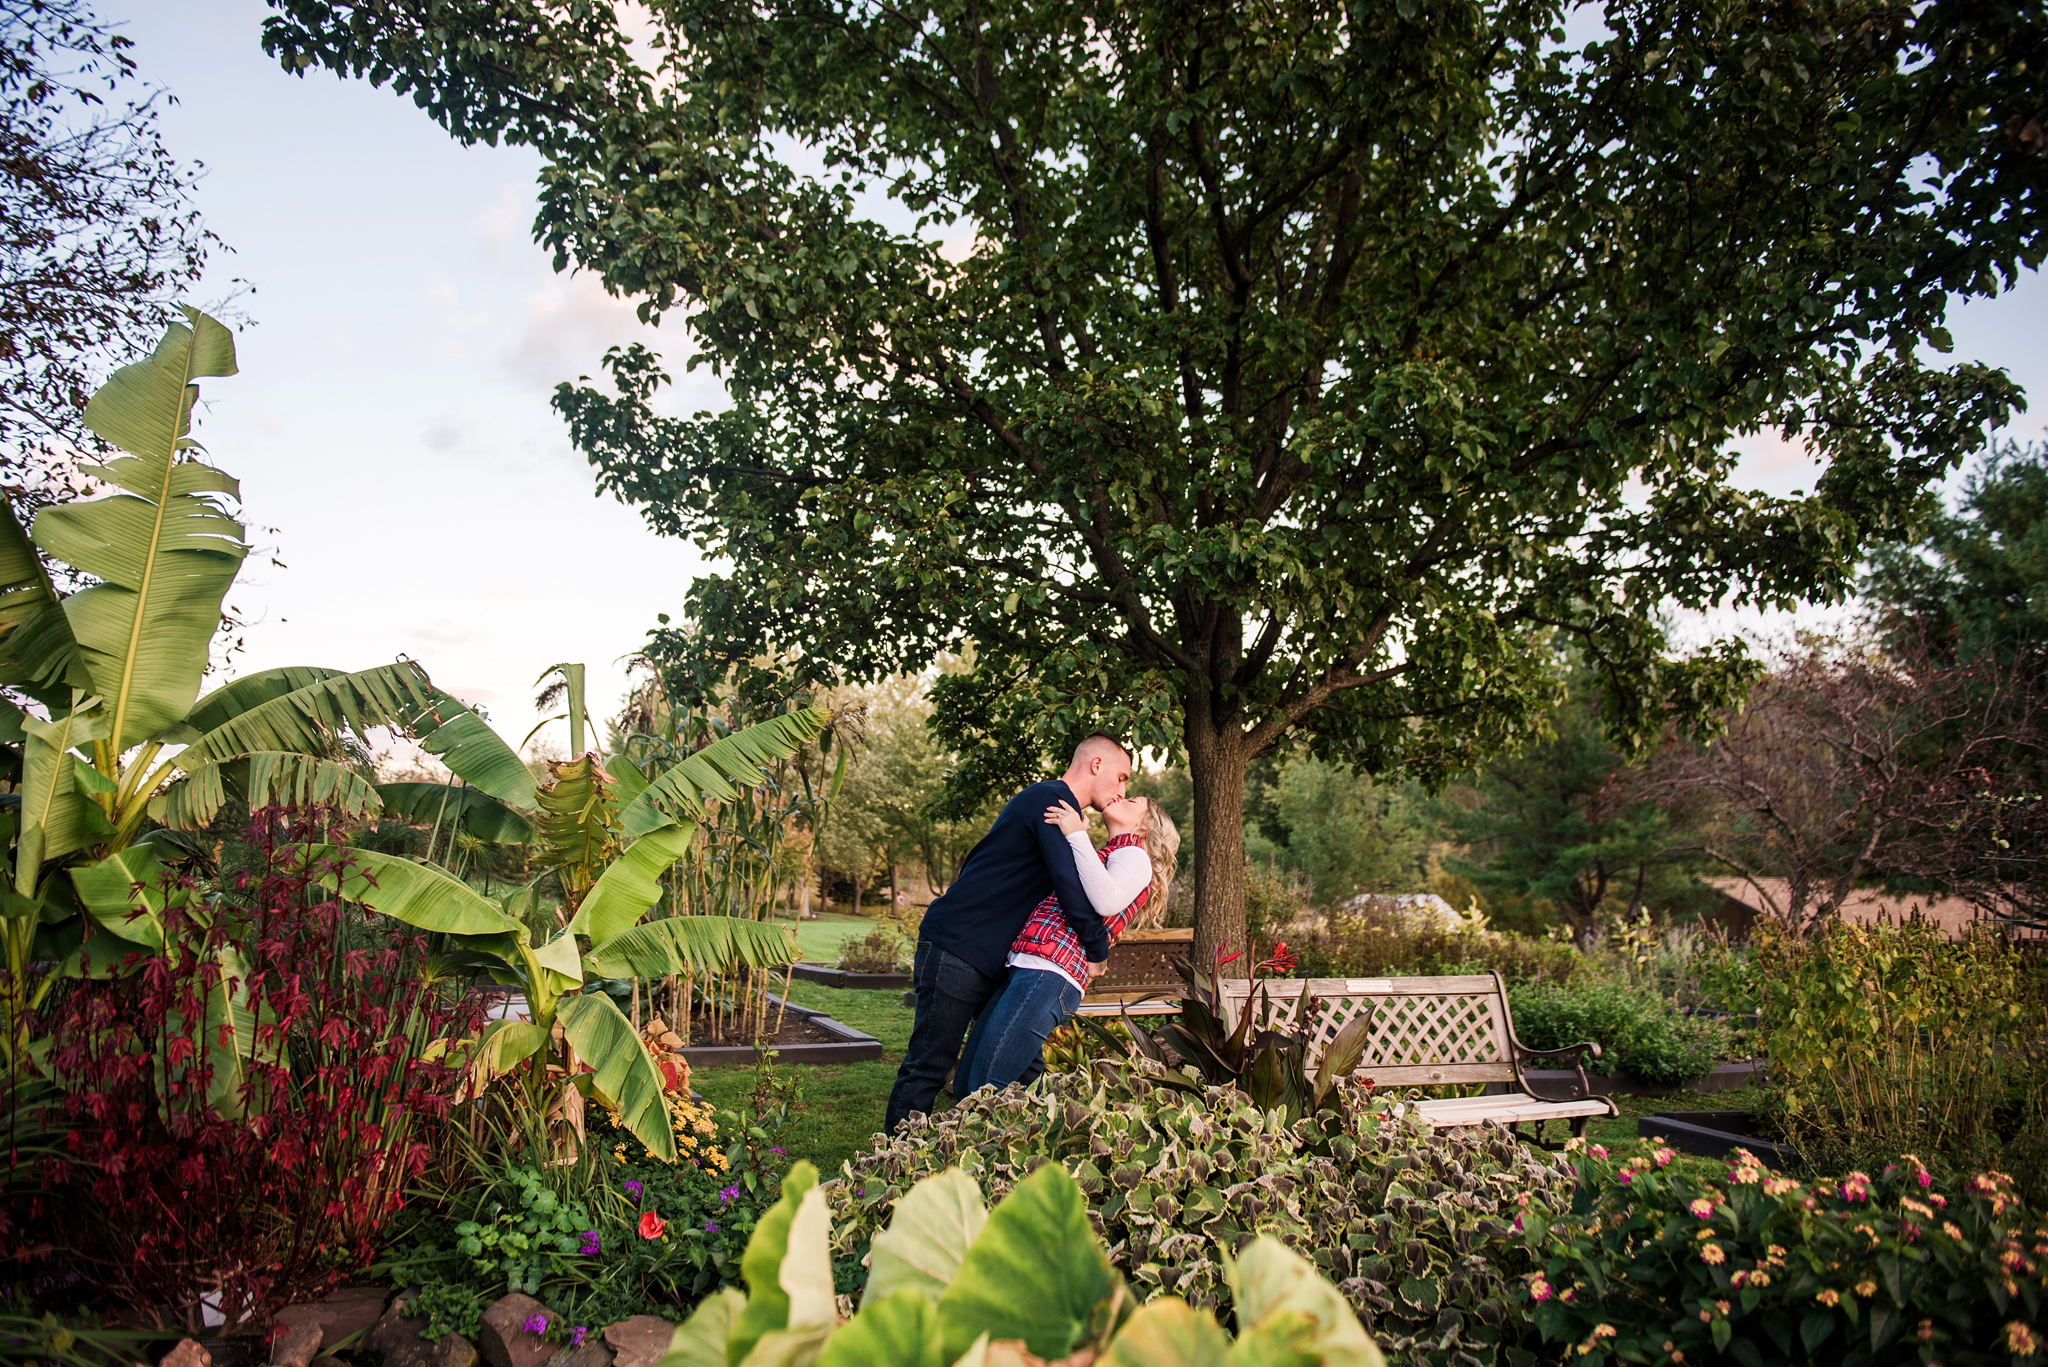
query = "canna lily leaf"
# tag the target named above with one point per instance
(1168, 1332)
(700, 1340)
(767, 1309)
(901, 1330)
(1272, 1286)
(1036, 1272)
(928, 1235)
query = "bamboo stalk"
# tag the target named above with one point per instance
(786, 974)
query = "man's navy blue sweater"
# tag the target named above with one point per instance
(1004, 877)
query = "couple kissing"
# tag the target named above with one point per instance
(1010, 949)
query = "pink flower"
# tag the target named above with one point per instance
(1703, 1208)
(1597, 1151)
(1627, 1175)
(1539, 1290)
(1663, 1157)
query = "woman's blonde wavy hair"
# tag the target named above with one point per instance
(1162, 845)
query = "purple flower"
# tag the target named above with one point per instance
(728, 1193)
(710, 1227)
(632, 1188)
(577, 1335)
(591, 1243)
(535, 1324)
(775, 1150)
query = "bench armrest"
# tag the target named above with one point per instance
(1574, 1055)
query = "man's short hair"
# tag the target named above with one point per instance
(1100, 741)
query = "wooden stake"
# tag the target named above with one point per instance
(785, 998)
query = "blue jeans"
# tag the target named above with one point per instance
(1008, 1039)
(950, 993)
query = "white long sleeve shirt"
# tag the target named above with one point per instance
(1111, 887)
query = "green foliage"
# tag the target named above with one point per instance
(1030, 1281)
(1344, 832)
(1217, 435)
(1651, 1263)
(1883, 1038)
(1545, 824)
(1412, 1227)
(1638, 1031)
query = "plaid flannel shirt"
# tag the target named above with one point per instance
(1048, 935)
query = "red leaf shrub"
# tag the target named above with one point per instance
(184, 1179)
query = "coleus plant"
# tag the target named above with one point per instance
(1024, 1285)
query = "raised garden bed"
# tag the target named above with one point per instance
(827, 976)
(1713, 1134)
(807, 1036)
(1728, 1077)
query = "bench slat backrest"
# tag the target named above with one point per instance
(1425, 1031)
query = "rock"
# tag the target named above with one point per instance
(188, 1353)
(504, 1339)
(639, 1341)
(294, 1345)
(593, 1353)
(396, 1340)
(340, 1318)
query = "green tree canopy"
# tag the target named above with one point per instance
(1256, 373)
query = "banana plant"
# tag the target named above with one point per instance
(606, 935)
(1027, 1284)
(114, 669)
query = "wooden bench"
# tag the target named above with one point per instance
(1140, 980)
(1433, 1032)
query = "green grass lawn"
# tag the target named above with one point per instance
(819, 940)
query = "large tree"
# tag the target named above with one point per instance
(99, 236)
(1273, 373)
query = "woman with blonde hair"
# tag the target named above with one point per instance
(1049, 972)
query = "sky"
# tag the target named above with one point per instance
(391, 426)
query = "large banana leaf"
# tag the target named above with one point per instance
(25, 587)
(578, 817)
(675, 944)
(164, 550)
(254, 715)
(267, 778)
(478, 813)
(125, 894)
(55, 817)
(602, 1037)
(679, 794)
(631, 885)
(413, 893)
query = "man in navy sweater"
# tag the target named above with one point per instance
(963, 946)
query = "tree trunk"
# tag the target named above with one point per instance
(856, 897)
(1217, 757)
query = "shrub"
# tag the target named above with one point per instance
(243, 1102)
(1888, 1038)
(1374, 937)
(881, 950)
(1637, 1030)
(1654, 1266)
(1413, 1227)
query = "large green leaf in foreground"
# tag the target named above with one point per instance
(1035, 1273)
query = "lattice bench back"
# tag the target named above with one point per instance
(1426, 1031)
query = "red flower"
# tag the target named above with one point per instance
(651, 1225)
(1279, 960)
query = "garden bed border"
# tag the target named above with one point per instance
(824, 975)
(1726, 1077)
(850, 1046)
(1713, 1134)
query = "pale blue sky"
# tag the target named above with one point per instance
(391, 420)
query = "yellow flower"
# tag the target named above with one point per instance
(1866, 1288)
(1712, 1255)
(1829, 1296)
(2020, 1340)
(1948, 1227)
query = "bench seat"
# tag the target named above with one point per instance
(1436, 1032)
